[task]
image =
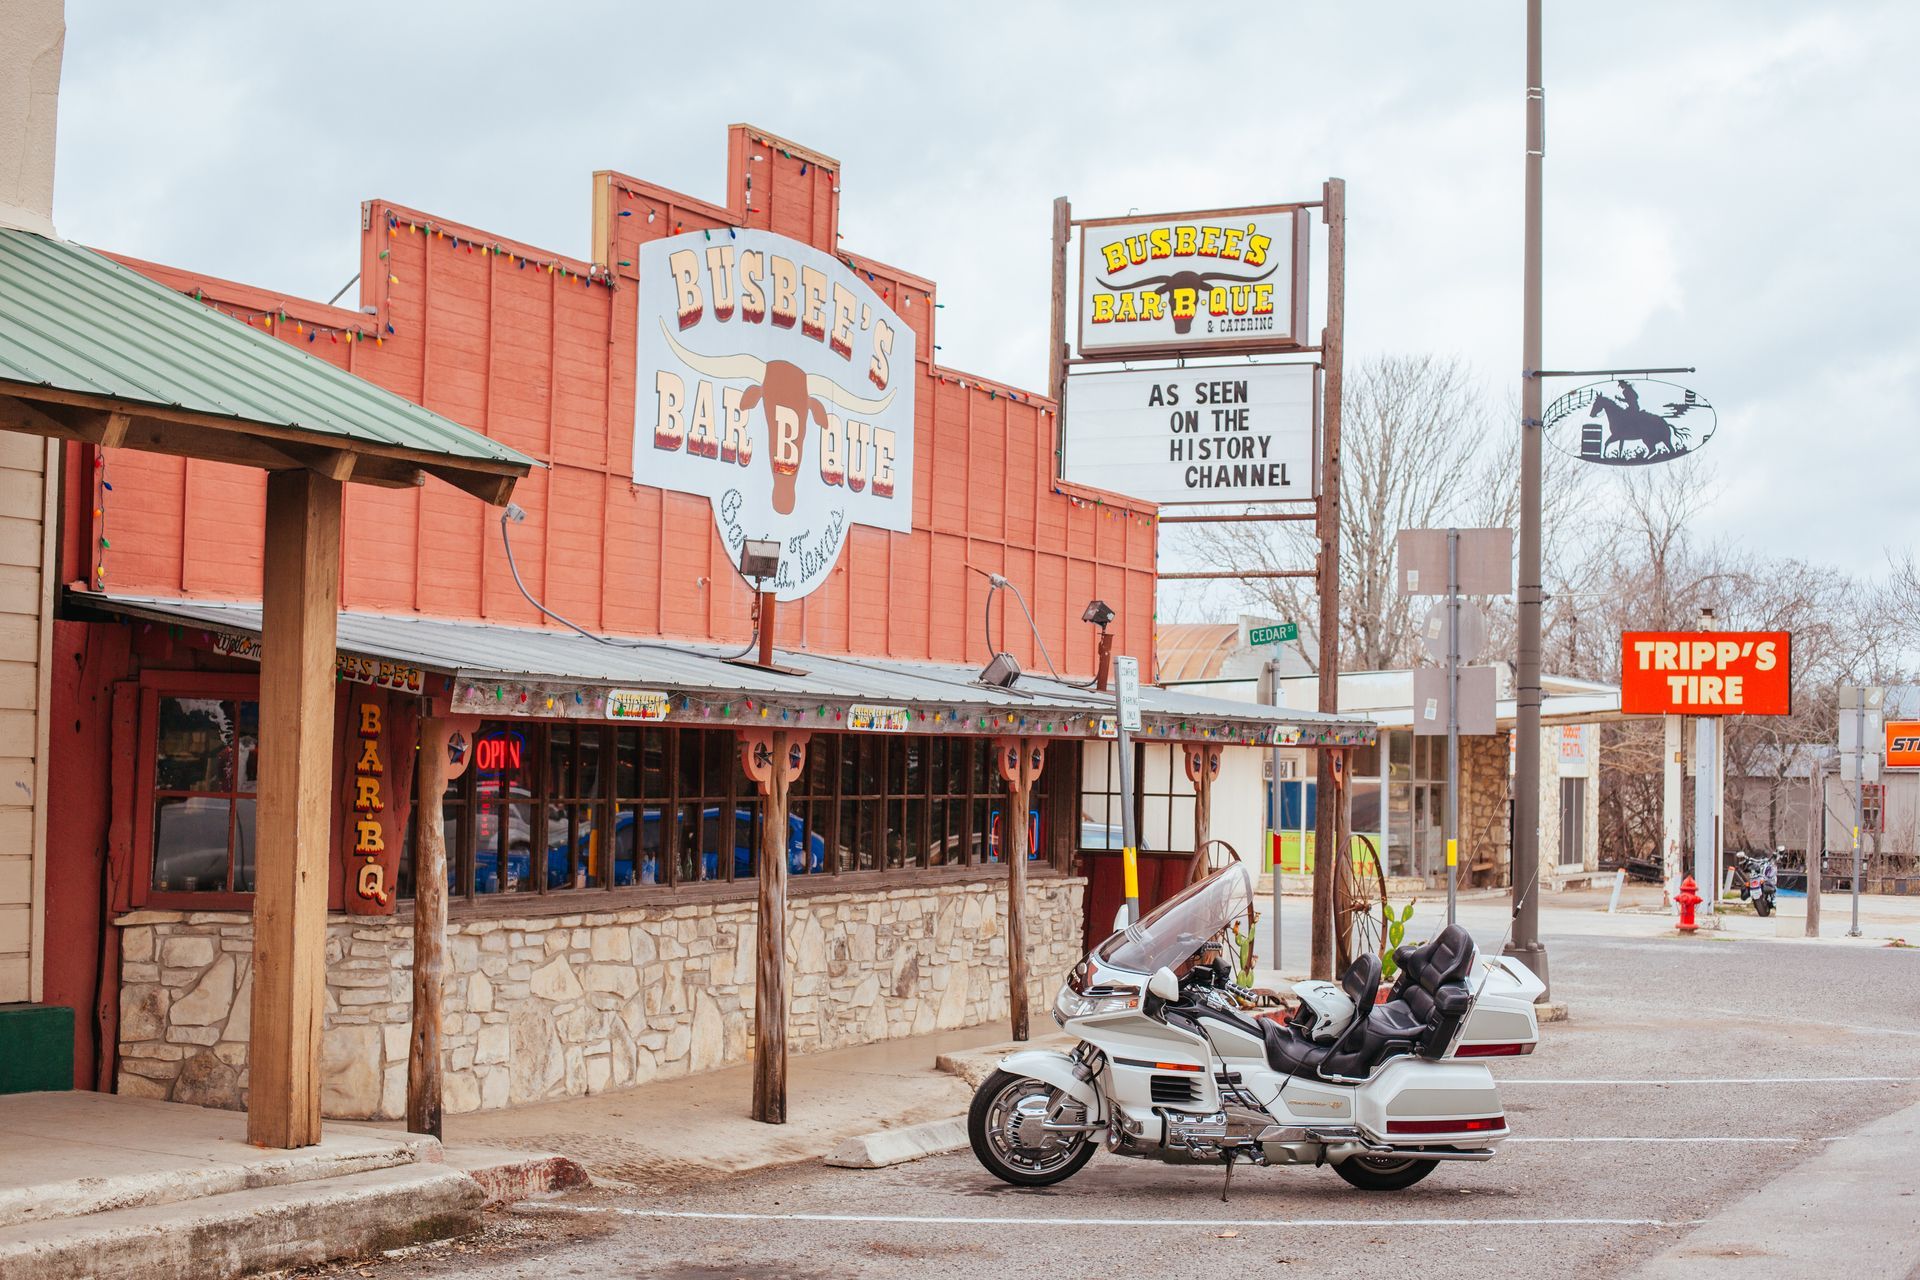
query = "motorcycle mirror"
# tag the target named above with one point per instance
(1164, 985)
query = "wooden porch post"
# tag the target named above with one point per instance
(1342, 848)
(300, 586)
(429, 929)
(1020, 761)
(773, 760)
(1203, 764)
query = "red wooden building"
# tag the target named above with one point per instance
(605, 833)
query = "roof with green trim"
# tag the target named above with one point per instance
(74, 321)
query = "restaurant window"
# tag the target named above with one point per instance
(634, 807)
(899, 801)
(1164, 799)
(205, 774)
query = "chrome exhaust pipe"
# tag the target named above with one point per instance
(1406, 1153)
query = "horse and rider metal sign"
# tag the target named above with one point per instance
(1630, 422)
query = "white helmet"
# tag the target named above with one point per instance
(1325, 1010)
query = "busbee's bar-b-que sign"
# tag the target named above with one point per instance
(776, 383)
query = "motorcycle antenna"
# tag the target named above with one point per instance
(1512, 919)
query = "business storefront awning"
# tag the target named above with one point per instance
(94, 353)
(516, 671)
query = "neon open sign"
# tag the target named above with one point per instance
(502, 751)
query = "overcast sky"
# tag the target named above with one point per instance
(1729, 185)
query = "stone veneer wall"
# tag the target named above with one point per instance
(558, 1006)
(1484, 788)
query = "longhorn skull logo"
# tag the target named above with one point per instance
(787, 396)
(1194, 284)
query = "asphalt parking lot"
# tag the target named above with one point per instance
(1637, 1120)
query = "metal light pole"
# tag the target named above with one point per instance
(1525, 945)
(1273, 758)
(1126, 711)
(1859, 800)
(1453, 719)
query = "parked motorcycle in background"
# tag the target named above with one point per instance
(1170, 1066)
(1759, 879)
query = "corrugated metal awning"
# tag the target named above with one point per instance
(80, 331)
(498, 670)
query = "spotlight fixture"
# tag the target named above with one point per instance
(759, 558)
(1001, 672)
(1098, 614)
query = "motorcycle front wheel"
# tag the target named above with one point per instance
(1382, 1173)
(1006, 1127)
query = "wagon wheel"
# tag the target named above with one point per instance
(1359, 906)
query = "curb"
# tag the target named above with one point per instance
(897, 1146)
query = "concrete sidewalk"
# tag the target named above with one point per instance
(697, 1127)
(97, 1185)
(1852, 1209)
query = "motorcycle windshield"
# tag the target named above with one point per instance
(1181, 925)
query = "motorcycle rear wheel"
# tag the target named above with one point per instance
(1762, 905)
(1007, 1103)
(1382, 1173)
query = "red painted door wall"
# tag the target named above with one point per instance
(537, 351)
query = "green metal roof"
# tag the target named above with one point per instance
(75, 321)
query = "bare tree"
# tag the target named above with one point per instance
(1412, 430)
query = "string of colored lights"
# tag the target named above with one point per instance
(594, 274)
(102, 488)
(573, 701)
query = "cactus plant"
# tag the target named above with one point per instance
(1396, 934)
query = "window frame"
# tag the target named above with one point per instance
(1152, 785)
(1873, 808)
(233, 686)
(983, 786)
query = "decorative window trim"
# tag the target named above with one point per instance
(155, 685)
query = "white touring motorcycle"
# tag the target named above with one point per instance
(1169, 1067)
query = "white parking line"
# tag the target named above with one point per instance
(1680, 1141)
(1724, 1080)
(937, 1220)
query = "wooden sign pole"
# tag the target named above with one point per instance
(1326, 827)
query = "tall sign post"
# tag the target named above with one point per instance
(1860, 719)
(1451, 563)
(1330, 818)
(1270, 694)
(1219, 285)
(1126, 719)
(1526, 946)
(1453, 720)
(1612, 430)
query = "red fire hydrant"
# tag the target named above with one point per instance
(1688, 898)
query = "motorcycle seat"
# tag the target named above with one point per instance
(1424, 1009)
(1290, 1050)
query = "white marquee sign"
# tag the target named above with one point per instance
(1229, 433)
